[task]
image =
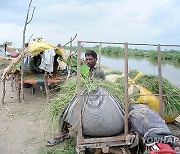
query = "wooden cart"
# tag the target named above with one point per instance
(119, 140)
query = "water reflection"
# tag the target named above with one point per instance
(170, 72)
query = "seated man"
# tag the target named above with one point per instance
(35, 63)
(94, 71)
(91, 59)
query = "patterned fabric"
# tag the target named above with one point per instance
(102, 114)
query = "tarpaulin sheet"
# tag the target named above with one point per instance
(38, 46)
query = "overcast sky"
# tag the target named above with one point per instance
(134, 21)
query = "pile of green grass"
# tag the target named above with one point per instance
(68, 90)
(132, 73)
(113, 72)
(171, 94)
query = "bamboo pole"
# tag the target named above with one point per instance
(7, 70)
(7, 58)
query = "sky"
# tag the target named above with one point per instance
(56, 21)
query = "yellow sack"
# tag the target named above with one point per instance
(151, 100)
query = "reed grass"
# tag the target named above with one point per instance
(171, 55)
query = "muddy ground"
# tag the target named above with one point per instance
(24, 126)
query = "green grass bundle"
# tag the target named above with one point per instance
(171, 94)
(68, 90)
(132, 73)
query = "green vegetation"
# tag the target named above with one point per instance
(171, 93)
(171, 55)
(113, 72)
(68, 90)
(58, 103)
(67, 147)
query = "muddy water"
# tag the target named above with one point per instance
(169, 72)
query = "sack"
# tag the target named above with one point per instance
(102, 114)
(147, 122)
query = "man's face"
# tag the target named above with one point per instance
(90, 61)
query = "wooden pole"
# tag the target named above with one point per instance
(79, 135)
(46, 86)
(126, 86)
(27, 21)
(99, 54)
(161, 109)
(12, 82)
(18, 87)
(70, 58)
(4, 91)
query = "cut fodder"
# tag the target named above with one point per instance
(58, 102)
(68, 90)
(171, 94)
(113, 72)
(132, 74)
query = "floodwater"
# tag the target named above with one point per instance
(170, 72)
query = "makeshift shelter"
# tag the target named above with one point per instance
(35, 48)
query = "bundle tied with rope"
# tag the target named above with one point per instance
(148, 86)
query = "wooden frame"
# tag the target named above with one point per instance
(119, 140)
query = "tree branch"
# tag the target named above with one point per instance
(31, 16)
(70, 41)
(30, 38)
